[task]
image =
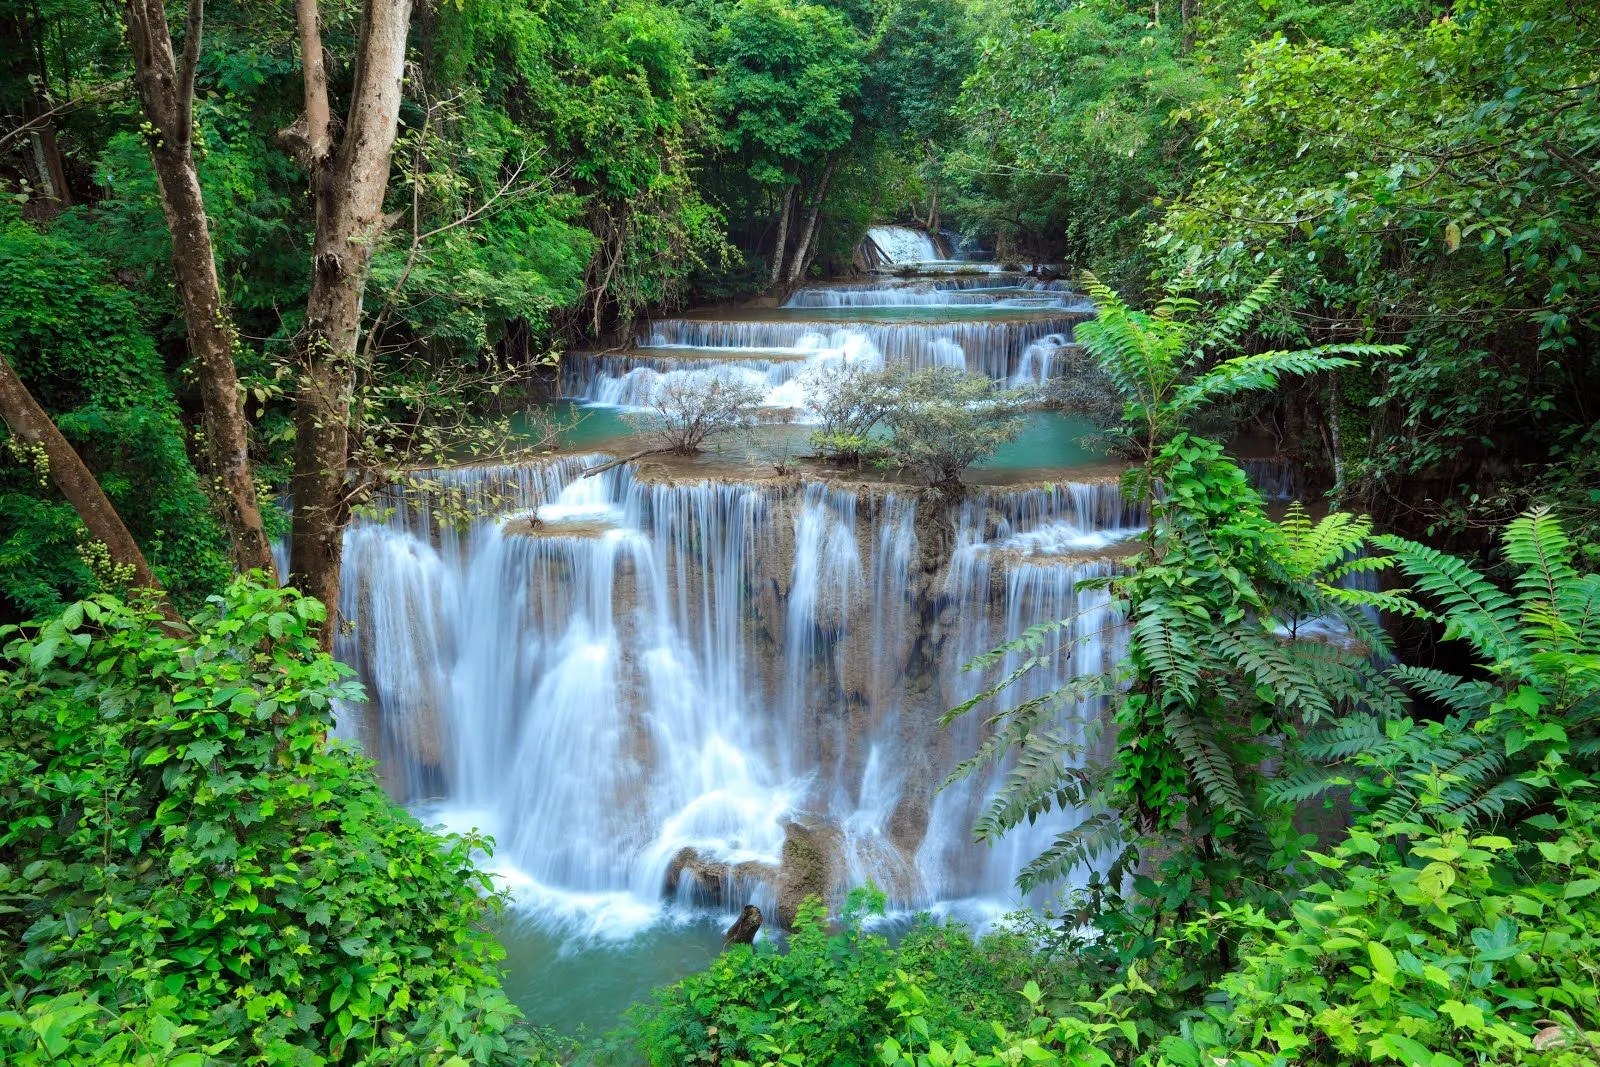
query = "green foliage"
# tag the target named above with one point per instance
(832, 996)
(1067, 134)
(942, 420)
(786, 76)
(77, 340)
(1539, 702)
(1425, 181)
(1221, 667)
(1049, 1042)
(847, 401)
(191, 872)
(1424, 944)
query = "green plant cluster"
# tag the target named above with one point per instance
(191, 872)
(80, 341)
(831, 995)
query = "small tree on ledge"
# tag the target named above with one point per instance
(686, 412)
(944, 420)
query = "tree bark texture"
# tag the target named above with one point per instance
(743, 930)
(166, 93)
(348, 183)
(29, 422)
(802, 258)
(782, 245)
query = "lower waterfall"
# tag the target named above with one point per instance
(642, 688)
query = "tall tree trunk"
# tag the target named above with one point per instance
(1189, 14)
(933, 190)
(28, 421)
(783, 238)
(801, 259)
(18, 43)
(166, 93)
(348, 186)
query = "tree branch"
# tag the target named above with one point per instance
(308, 24)
(193, 29)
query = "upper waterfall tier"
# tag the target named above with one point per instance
(632, 683)
(991, 291)
(987, 346)
(904, 246)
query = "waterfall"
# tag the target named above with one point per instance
(995, 291)
(635, 686)
(904, 246)
(989, 347)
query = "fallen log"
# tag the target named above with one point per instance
(620, 460)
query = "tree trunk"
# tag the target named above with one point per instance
(783, 238)
(800, 257)
(933, 190)
(28, 421)
(348, 187)
(1189, 13)
(1335, 437)
(743, 930)
(166, 93)
(18, 33)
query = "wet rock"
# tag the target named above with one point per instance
(807, 868)
(713, 881)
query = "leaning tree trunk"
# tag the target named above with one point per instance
(783, 238)
(348, 186)
(801, 255)
(166, 93)
(28, 421)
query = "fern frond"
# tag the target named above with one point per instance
(1262, 370)
(1269, 665)
(1099, 835)
(1350, 737)
(1159, 638)
(1457, 694)
(1196, 740)
(1474, 607)
(1228, 325)
(1304, 784)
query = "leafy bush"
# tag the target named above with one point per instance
(848, 401)
(76, 339)
(1542, 696)
(944, 420)
(189, 868)
(1426, 945)
(686, 412)
(832, 997)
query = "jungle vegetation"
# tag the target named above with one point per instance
(259, 250)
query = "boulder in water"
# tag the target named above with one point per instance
(807, 867)
(743, 930)
(712, 881)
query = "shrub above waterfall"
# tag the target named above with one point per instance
(687, 412)
(847, 400)
(943, 420)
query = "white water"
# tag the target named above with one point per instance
(775, 356)
(904, 246)
(694, 665)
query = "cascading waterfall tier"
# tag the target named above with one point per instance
(649, 691)
(1009, 327)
